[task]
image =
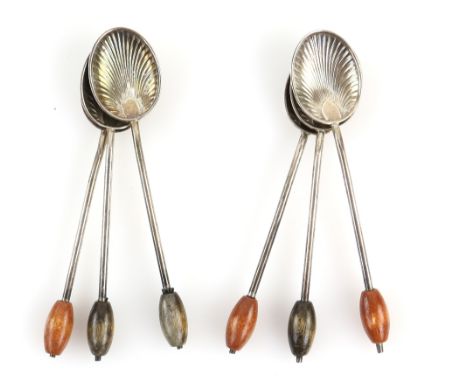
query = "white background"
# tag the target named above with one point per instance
(218, 146)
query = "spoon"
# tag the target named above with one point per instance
(302, 320)
(243, 317)
(101, 318)
(125, 81)
(326, 84)
(100, 329)
(59, 324)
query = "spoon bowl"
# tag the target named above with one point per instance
(325, 79)
(302, 118)
(124, 74)
(92, 109)
(291, 107)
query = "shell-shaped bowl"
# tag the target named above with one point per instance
(124, 74)
(93, 111)
(292, 112)
(325, 78)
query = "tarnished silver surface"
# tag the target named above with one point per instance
(314, 189)
(150, 207)
(303, 118)
(92, 109)
(106, 123)
(306, 129)
(291, 106)
(325, 77)
(125, 80)
(278, 215)
(326, 84)
(353, 207)
(124, 74)
(106, 210)
(84, 217)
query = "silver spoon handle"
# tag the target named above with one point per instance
(312, 216)
(106, 210)
(84, 217)
(278, 215)
(353, 207)
(149, 206)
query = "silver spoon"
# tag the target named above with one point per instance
(101, 317)
(125, 81)
(59, 323)
(326, 83)
(302, 320)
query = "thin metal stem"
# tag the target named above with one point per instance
(84, 217)
(149, 206)
(106, 210)
(312, 216)
(278, 215)
(353, 207)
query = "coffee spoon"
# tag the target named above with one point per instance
(326, 84)
(302, 320)
(125, 81)
(59, 324)
(101, 318)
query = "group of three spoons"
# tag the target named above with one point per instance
(120, 83)
(322, 93)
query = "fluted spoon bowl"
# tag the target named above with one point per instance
(325, 78)
(326, 86)
(124, 74)
(92, 109)
(292, 109)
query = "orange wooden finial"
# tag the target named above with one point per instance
(241, 323)
(58, 327)
(374, 316)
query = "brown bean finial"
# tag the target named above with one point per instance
(241, 323)
(100, 328)
(58, 327)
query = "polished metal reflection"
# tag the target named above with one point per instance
(325, 78)
(125, 80)
(124, 74)
(92, 109)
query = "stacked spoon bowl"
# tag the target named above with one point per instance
(321, 94)
(120, 84)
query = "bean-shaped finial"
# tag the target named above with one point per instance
(173, 319)
(301, 328)
(58, 328)
(100, 328)
(241, 323)
(374, 317)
